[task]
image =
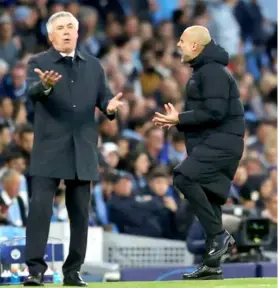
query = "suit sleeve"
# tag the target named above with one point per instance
(36, 90)
(104, 95)
(215, 90)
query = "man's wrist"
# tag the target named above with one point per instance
(45, 86)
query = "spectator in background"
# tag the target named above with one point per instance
(111, 155)
(227, 36)
(5, 139)
(9, 197)
(15, 85)
(134, 214)
(6, 111)
(139, 165)
(102, 193)
(9, 47)
(16, 162)
(24, 143)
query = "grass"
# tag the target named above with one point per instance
(229, 283)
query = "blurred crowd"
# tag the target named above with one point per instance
(136, 43)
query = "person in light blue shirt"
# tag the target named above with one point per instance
(224, 27)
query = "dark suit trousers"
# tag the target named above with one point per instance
(206, 209)
(77, 203)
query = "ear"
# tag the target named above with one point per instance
(194, 46)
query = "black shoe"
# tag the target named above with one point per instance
(219, 245)
(205, 273)
(34, 280)
(74, 279)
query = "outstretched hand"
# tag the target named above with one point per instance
(48, 78)
(114, 104)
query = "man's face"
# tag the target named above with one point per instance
(18, 76)
(18, 164)
(64, 34)
(187, 47)
(123, 187)
(6, 31)
(156, 139)
(27, 141)
(6, 136)
(159, 185)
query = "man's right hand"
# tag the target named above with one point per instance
(48, 78)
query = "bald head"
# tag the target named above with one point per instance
(192, 41)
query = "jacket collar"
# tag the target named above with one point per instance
(56, 56)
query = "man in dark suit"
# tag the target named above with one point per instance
(65, 86)
(213, 125)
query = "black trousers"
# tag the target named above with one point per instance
(207, 210)
(38, 222)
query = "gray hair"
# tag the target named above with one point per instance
(8, 174)
(60, 15)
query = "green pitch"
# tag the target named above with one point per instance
(229, 283)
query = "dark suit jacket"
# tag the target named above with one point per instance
(65, 142)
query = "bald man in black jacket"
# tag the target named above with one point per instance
(213, 125)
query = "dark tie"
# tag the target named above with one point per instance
(68, 60)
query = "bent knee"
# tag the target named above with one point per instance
(180, 181)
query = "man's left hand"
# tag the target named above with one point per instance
(114, 104)
(170, 119)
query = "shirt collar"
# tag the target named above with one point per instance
(69, 55)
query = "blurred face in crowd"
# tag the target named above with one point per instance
(159, 185)
(170, 90)
(131, 26)
(241, 176)
(56, 7)
(73, 8)
(12, 184)
(142, 164)
(123, 187)
(123, 147)
(263, 131)
(266, 189)
(146, 31)
(254, 167)
(26, 141)
(112, 159)
(5, 136)
(7, 108)
(109, 128)
(244, 92)
(114, 29)
(238, 65)
(273, 177)
(64, 34)
(271, 155)
(155, 139)
(18, 164)
(166, 30)
(18, 76)
(6, 31)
